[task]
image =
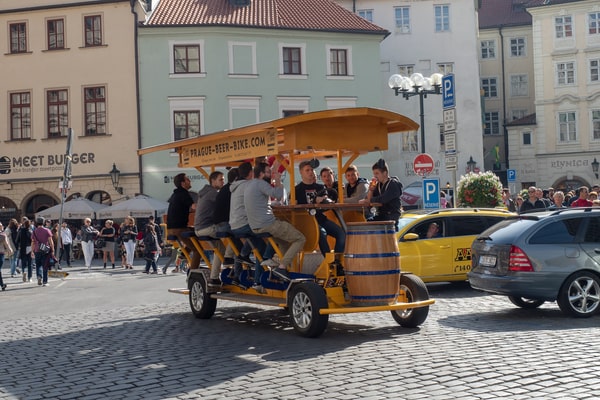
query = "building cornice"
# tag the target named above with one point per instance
(61, 5)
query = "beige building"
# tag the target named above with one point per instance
(562, 148)
(67, 64)
(506, 75)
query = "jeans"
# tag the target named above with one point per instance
(13, 262)
(215, 269)
(130, 249)
(26, 263)
(260, 245)
(151, 262)
(283, 231)
(330, 228)
(66, 251)
(1, 263)
(40, 271)
(88, 252)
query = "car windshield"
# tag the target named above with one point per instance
(403, 221)
(505, 232)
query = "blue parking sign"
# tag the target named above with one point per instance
(431, 193)
(448, 99)
(511, 175)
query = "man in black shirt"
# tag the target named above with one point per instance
(180, 206)
(310, 192)
(385, 190)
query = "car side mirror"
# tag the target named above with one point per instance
(409, 237)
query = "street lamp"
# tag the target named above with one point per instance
(417, 85)
(595, 165)
(471, 164)
(115, 174)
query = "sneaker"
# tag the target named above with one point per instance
(153, 273)
(46, 284)
(12, 275)
(269, 262)
(18, 270)
(4, 287)
(39, 281)
(259, 288)
(214, 282)
(24, 276)
(281, 273)
(244, 259)
(164, 270)
(228, 261)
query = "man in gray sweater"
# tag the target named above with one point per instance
(204, 224)
(257, 194)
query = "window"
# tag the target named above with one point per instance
(187, 117)
(95, 110)
(56, 34)
(18, 38)
(527, 138)
(402, 16)
(186, 59)
(567, 127)
(292, 64)
(20, 116)
(563, 26)
(445, 68)
(243, 110)
(93, 30)
(58, 112)
(519, 85)
(594, 23)
(595, 70)
(464, 226)
(490, 87)
(565, 73)
(492, 123)
(186, 124)
(596, 124)
(410, 141)
(406, 70)
(517, 114)
(557, 232)
(442, 18)
(592, 233)
(289, 106)
(242, 59)
(366, 14)
(338, 62)
(291, 113)
(488, 49)
(517, 47)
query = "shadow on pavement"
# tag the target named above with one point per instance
(166, 354)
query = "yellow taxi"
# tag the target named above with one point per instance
(435, 245)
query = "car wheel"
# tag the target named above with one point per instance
(306, 300)
(524, 302)
(579, 295)
(203, 306)
(415, 291)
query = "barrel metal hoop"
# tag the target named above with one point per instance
(365, 273)
(373, 255)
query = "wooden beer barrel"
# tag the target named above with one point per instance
(372, 263)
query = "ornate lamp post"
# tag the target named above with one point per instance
(115, 175)
(595, 165)
(417, 85)
(471, 164)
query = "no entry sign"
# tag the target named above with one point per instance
(423, 164)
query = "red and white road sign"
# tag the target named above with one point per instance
(423, 164)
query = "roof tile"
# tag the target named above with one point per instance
(317, 15)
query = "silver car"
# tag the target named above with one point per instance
(543, 256)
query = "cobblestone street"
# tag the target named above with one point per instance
(121, 335)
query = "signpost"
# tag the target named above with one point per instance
(448, 99)
(431, 193)
(423, 164)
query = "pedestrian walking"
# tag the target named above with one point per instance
(43, 247)
(24, 246)
(151, 248)
(66, 241)
(11, 234)
(5, 250)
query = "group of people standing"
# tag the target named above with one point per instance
(243, 208)
(550, 199)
